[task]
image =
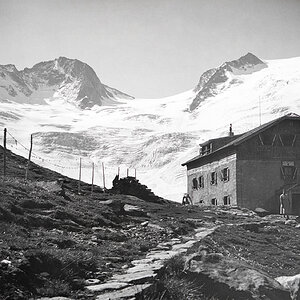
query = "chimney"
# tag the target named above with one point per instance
(230, 130)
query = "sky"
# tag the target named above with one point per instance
(148, 48)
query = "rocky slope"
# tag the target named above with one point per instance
(62, 78)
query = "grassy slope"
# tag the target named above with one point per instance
(54, 241)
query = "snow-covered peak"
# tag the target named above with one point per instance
(211, 81)
(60, 79)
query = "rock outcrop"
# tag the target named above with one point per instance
(232, 279)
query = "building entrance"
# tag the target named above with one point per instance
(296, 204)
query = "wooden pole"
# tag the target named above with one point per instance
(127, 172)
(79, 176)
(29, 158)
(4, 153)
(135, 173)
(118, 172)
(103, 173)
(93, 168)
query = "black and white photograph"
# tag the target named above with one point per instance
(149, 149)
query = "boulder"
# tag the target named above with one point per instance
(116, 205)
(231, 279)
(91, 281)
(261, 212)
(291, 283)
(112, 285)
(135, 211)
(290, 222)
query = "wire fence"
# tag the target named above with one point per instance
(84, 169)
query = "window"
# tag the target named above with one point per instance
(288, 173)
(214, 201)
(213, 178)
(206, 149)
(225, 174)
(201, 181)
(195, 183)
(226, 200)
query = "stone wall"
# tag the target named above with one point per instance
(220, 189)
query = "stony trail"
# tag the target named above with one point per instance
(141, 275)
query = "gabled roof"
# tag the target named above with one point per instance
(247, 135)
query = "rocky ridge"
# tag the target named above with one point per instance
(210, 81)
(62, 78)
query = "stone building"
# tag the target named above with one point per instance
(251, 169)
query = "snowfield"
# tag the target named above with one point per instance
(153, 136)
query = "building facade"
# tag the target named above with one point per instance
(249, 170)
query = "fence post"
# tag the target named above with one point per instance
(79, 175)
(93, 166)
(29, 158)
(127, 172)
(135, 173)
(118, 172)
(103, 176)
(4, 153)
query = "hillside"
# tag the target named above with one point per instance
(56, 242)
(54, 238)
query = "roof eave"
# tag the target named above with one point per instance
(199, 157)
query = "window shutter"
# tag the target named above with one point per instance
(228, 174)
(295, 173)
(221, 175)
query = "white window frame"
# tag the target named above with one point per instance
(225, 179)
(214, 201)
(228, 200)
(201, 182)
(213, 179)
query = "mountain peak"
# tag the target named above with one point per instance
(9, 68)
(211, 79)
(63, 78)
(247, 60)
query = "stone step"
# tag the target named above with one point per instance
(125, 293)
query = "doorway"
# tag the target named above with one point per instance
(296, 204)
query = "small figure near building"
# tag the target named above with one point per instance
(284, 204)
(116, 180)
(186, 199)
